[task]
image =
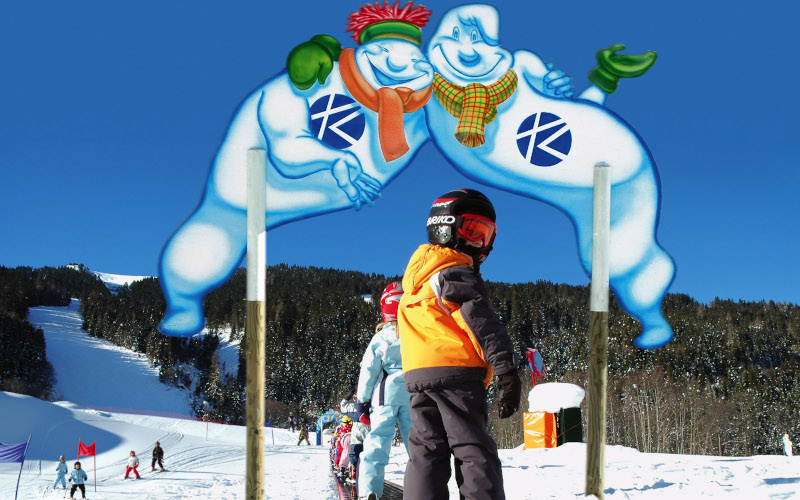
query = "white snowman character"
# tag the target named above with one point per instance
(507, 120)
(329, 148)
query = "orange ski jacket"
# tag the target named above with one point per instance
(449, 332)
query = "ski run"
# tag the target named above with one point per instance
(111, 396)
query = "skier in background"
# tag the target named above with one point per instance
(78, 477)
(345, 427)
(397, 438)
(452, 344)
(158, 455)
(361, 428)
(133, 463)
(291, 421)
(347, 406)
(787, 445)
(62, 470)
(381, 383)
(343, 453)
(303, 435)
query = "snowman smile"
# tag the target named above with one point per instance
(475, 61)
(387, 80)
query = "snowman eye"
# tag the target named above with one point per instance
(474, 36)
(455, 32)
(384, 49)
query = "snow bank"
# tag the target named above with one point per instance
(553, 396)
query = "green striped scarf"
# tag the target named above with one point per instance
(474, 105)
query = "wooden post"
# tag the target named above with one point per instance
(255, 329)
(598, 331)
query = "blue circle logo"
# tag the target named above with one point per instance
(544, 139)
(337, 120)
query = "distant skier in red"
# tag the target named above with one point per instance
(133, 463)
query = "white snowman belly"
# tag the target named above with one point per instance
(545, 140)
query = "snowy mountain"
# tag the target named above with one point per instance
(114, 281)
(95, 373)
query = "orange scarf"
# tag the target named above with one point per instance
(389, 103)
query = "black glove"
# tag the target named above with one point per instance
(363, 408)
(509, 401)
(312, 61)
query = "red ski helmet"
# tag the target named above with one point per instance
(390, 299)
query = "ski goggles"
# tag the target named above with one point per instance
(478, 230)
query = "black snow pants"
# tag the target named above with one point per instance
(76, 487)
(451, 420)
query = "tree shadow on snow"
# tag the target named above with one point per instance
(54, 430)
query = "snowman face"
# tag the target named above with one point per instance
(394, 63)
(462, 51)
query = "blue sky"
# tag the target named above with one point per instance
(110, 114)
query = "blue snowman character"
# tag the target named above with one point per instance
(330, 147)
(531, 137)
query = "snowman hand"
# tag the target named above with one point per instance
(556, 83)
(312, 61)
(357, 185)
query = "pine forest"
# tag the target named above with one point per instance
(728, 384)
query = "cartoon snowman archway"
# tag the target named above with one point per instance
(332, 146)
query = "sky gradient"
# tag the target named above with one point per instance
(111, 112)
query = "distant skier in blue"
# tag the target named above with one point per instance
(62, 470)
(381, 383)
(78, 478)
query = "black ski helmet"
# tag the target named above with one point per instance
(77, 464)
(445, 219)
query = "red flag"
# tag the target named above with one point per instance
(85, 451)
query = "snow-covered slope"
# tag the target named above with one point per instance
(200, 469)
(196, 468)
(94, 372)
(214, 468)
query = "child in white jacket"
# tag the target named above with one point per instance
(133, 463)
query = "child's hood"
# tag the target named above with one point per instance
(427, 261)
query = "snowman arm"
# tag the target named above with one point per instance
(531, 67)
(294, 151)
(541, 76)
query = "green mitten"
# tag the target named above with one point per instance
(312, 61)
(612, 66)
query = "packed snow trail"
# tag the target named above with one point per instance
(215, 468)
(94, 372)
(196, 468)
